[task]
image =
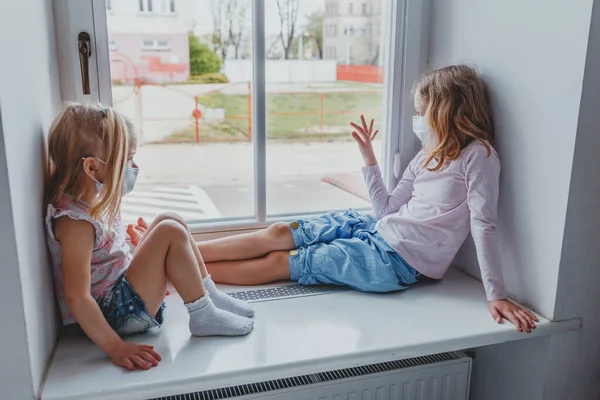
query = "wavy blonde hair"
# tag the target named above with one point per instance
(457, 110)
(88, 130)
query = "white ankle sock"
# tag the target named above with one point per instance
(226, 302)
(208, 320)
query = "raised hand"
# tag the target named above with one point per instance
(364, 136)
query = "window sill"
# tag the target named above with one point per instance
(293, 337)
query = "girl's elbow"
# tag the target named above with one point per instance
(75, 300)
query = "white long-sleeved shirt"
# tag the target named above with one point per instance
(427, 217)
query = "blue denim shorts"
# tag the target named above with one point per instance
(345, 249)
(126, 311)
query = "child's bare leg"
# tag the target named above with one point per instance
(276, 237)
(174, 217)
(221, 300)
(271, 268)
(166, 253)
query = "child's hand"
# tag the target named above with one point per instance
(522, 319)
(133, 356)
(364, 137)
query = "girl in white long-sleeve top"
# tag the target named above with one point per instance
(449, 189)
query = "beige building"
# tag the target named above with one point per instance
(353, 31)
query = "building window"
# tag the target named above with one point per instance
(334, 30)
(155, 44)
(146, 6)
(351, 8)
(108, 5)
(364, 8)
(168, 6)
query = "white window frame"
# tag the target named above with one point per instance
(407, 28)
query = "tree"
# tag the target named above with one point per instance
(314, 29)
(288, 18)
(229, 25)
(202, 59)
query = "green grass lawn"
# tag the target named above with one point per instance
(302, 119)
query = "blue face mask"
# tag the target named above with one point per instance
(131, 174)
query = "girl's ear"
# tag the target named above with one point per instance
(90, 167)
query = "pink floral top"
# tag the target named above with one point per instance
(110, 259)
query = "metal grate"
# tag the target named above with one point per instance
(285, 292)
(268, 386)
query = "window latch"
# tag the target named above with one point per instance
(397, 165)
(85, 51)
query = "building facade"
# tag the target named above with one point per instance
(148, 40)
(353, 31)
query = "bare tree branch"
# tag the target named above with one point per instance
(288, 18)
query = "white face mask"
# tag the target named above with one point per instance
(129, 179)
(421, 129)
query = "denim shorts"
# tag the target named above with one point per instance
(345, 249)
(126, 312)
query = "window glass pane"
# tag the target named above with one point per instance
(163, 78)
(316, 85)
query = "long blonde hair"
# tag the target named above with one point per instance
(81, 131)
(458, 112)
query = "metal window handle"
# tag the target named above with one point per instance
(85, 51)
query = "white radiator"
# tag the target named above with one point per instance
(443, 376)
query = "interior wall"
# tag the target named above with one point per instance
(29, 97)
(532, 54)
(15, 378)
(579, 274)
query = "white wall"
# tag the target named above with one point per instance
(284, 71)
(579, 273)
(532, 53)
(541, 59)
(29, 97)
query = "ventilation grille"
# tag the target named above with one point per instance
(278, 384)
(285, 292)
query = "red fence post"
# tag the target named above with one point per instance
(197, 114)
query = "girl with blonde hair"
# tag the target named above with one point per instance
(101, 284)
(449, 188)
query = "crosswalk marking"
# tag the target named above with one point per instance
(190, 202)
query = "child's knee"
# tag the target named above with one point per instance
(277, 265)
(170, 216)
(172, 229)
(278, 230)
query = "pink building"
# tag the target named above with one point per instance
(148, 40)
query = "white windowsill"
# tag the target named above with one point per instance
(293, 337)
